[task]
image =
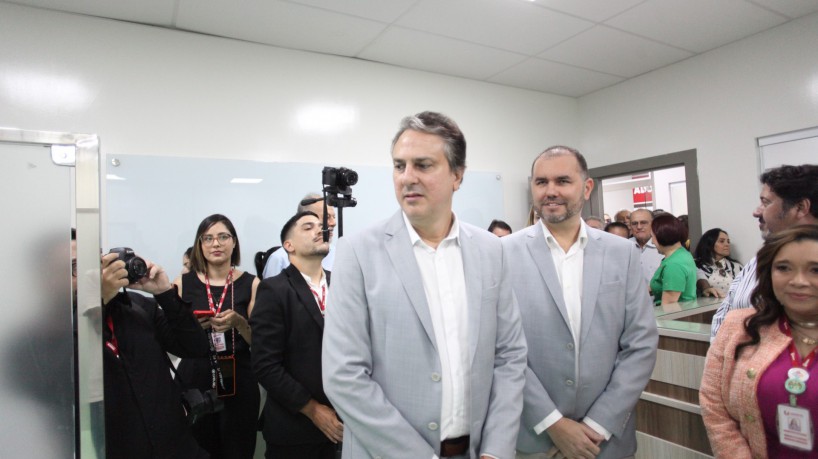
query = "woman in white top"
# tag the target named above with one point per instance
(716, 270)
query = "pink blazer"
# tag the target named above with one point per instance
(728, 390)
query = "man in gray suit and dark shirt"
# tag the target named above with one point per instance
(423, 353)
(587, 317)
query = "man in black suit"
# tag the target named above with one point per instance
(288, 326)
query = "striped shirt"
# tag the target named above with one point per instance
(738, 297)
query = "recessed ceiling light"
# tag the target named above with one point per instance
(246, 180)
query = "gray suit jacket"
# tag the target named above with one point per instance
(617, 344)
(380, 362)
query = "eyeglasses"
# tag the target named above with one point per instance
(642, 223)
(208, 239)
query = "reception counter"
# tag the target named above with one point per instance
(668, 416)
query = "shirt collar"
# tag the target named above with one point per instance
(582, 238)
(647, 244)
(322, 282)
(454, 232)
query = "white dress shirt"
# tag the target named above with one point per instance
(650, 257)
(320, 291)
(444, 283)
(569, 267)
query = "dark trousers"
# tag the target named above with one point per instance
(316, 451)
(231, 433)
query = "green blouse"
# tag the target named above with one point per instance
(676, 273)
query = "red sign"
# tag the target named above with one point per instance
(643, 196)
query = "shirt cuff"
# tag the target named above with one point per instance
(547, 422)
(597, 428)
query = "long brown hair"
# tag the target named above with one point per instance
(768, 309)
(198, 263)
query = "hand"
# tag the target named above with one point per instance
(712, 291)
(114, 276)
(574, 439)
(325, 419)
(204, 322)
(155, 282)
(226, 320)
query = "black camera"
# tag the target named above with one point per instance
(339, 178)
(136, 267)
(198, 404)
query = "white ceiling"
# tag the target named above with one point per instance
(566, 47)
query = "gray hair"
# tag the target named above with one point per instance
(443, 127)
(301, 208)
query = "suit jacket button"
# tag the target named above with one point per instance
(432, 426)
(569, 346)
(569, 382)
(751, 373)
(435, 377)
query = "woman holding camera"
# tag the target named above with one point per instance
(222, 297)
(759, 392)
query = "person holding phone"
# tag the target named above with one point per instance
(222, 297)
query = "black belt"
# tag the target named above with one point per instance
(454, 446)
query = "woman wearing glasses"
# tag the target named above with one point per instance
(716, 269)
(222, 297)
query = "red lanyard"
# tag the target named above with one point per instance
(322, 299)
(794, 352)
(112, 344)
(224, 292)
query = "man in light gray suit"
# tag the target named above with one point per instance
(423, 352)
(587, 317)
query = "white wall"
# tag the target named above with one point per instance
(152, 91)
(661, 187)
(717, 103)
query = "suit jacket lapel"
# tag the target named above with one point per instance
(473, 270)
(535, 240)
(399, 249)
(304, 294)
(591, 275)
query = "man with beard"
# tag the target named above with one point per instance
(789, 197)
(288, 327)
(587, 318)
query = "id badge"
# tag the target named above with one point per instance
(794, 427)
(219, 342)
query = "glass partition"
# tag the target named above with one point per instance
(47, 347)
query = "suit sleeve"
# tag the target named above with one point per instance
(269, 325)
(177, 329)
(506, 399)
(723, 431)
(636, 356)
(347, 368)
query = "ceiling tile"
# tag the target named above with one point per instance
(696, 25)
(280, 24)
(512, 25)
(155, 12)
(539, 75)
(790, 8)
(593, 10)
(378, 10)
(417, 50)
(611, 51)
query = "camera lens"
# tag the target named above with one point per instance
(347, 176)
(137, 269)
